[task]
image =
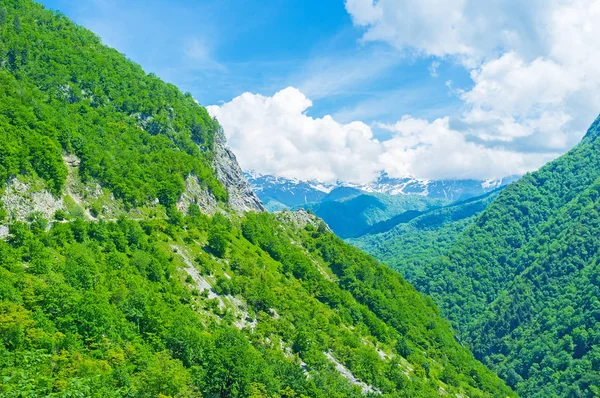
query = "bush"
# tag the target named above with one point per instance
(60, 215)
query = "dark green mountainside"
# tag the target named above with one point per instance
(409, 241)
(522, 284)
(353, 216)
(123, 276)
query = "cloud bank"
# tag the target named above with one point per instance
(275, 135)
(534, 64)
(535, 89)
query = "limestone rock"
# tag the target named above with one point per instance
(299, 219)
(241, 196)
(21, 200)
(195, 193)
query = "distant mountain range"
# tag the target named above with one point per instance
(408, 241)
(278, 193)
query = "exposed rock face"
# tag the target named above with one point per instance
(81, 193)
(195, 193)
(21, 200)
(241, 196)
(299, 219)
(238, 307)
(365, 388)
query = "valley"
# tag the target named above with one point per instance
(138, 259)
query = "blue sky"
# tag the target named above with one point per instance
(345, 89)
(218, 50)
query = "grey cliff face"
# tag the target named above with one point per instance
(197, 194)
(241, 196)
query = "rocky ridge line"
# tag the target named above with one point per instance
(241, 196)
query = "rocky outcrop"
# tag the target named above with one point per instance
(197, 194)
(299, 219)
(365, 388)
(21, 199)
(241, 196)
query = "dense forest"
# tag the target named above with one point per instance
(106, 309)
(521, 283)
(351, 213)
(61, 90)
(409, 241)
(215, 304)
(180, 304)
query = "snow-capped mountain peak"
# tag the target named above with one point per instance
(280, 192)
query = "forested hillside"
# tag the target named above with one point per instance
(408, 242)
(189, 297)
(204, 306)
(521, 285)
(61, 90)
(353, 216)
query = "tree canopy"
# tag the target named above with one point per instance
(63, 91)
(520, 283)
(190, 305)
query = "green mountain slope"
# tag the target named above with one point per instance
(350, 217)
(106, 292)
(62, 90)
(137, 309)
(409, 241)
(521, 283)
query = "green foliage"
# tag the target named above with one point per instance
(367, 296)
(105, 309)
(409, 241)
(119, 308)
(520, 284)
(218, 235)
(62, 91)
(60, 215)
(353, 216)
(3, 15)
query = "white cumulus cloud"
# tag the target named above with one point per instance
(535, 89)
(275, 135)
(534, 64)
(469, 29)
(436, 151)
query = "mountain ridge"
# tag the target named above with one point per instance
(150, 277)
(409, 241)
(524, 269)
(291, 192)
